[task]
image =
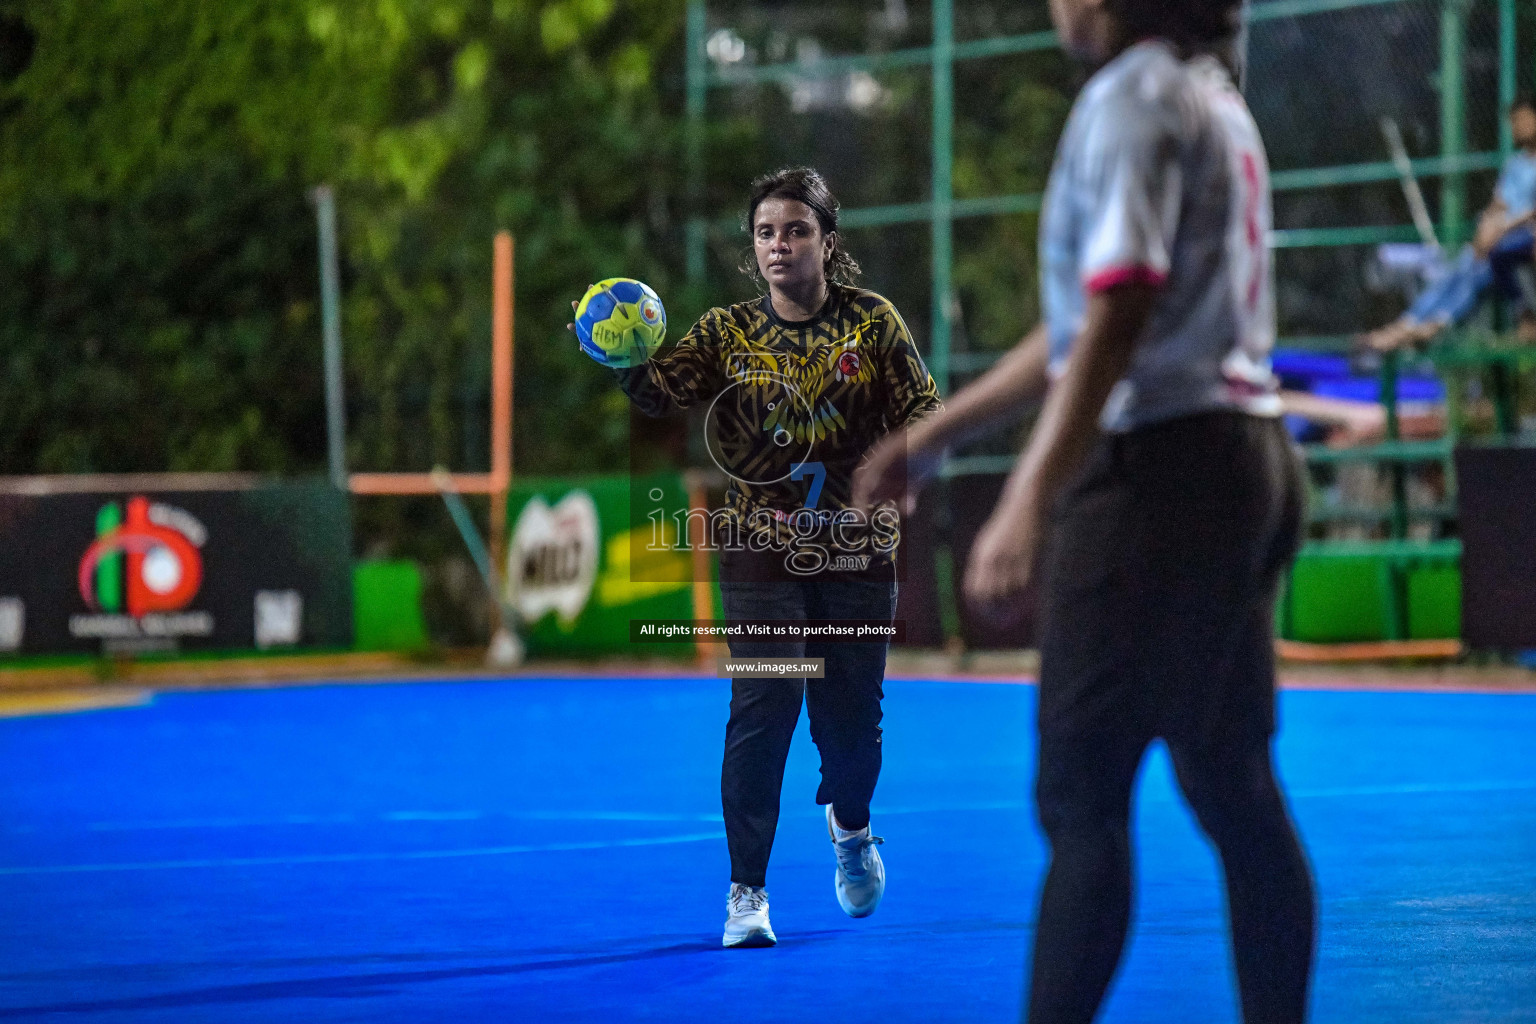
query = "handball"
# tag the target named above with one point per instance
(620, 322)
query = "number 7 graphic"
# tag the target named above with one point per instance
(818, 474)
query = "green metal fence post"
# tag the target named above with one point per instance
(1390, 365)
(330, 321)
(697, 89)
(942, 211)
(1395, 590)
(1507, 82)
(1453, 129)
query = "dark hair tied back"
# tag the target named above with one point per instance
(804, 185)
(1191, 24)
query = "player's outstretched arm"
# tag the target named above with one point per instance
(895, 468)
(1002, 558)
(996, 398)
(678, 375)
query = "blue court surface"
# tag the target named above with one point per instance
(551, 850)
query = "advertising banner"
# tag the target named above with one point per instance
(146, 571)
(571, 571)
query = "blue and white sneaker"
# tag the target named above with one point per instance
(747, 926)
(860, 880)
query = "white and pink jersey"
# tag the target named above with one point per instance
(1160, 177)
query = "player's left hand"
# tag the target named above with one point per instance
(1003, 558)
(895, 469)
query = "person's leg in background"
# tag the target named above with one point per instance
(1509, 265)
(762, 722)
(844, 706)
(1454, 297)
(1450, 300)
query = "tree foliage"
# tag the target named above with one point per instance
(158, 270)
(159, 274)
(159, 283)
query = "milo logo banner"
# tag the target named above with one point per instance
(570, 573)
(143, 571)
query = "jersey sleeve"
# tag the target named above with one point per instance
(912, 391)
(1131, 189)
(678, 375)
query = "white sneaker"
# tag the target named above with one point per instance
(860, 880)
(747, 926)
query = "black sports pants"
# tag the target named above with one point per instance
(1157, 621)
(844, 709)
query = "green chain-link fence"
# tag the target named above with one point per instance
(936, 126)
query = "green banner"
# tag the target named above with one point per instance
(570, 570)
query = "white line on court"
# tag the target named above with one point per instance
(287, 819)
(1302, 793)
(433, 815)
(350, 858)
(1409, 788)
(353, 819)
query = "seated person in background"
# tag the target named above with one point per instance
(1504, 242)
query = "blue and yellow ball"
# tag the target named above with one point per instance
(620, 322)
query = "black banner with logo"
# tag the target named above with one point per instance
(139, 571)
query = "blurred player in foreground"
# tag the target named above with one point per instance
(800, 384)
(1164, 488)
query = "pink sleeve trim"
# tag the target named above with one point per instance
(1113, 277)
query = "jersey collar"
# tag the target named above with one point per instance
(822, 314)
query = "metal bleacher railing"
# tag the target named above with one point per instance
(941, 209)
(1448, 63)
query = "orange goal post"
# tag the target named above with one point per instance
(498, 481)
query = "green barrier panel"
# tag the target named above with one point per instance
(1434, 603)
(386, 606)
(579, 569)
(714, 590)
(1339, 599)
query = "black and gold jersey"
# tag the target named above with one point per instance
(792, 407)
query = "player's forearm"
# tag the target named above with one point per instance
(994, 399)
(1069, 423)
(637, 383)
